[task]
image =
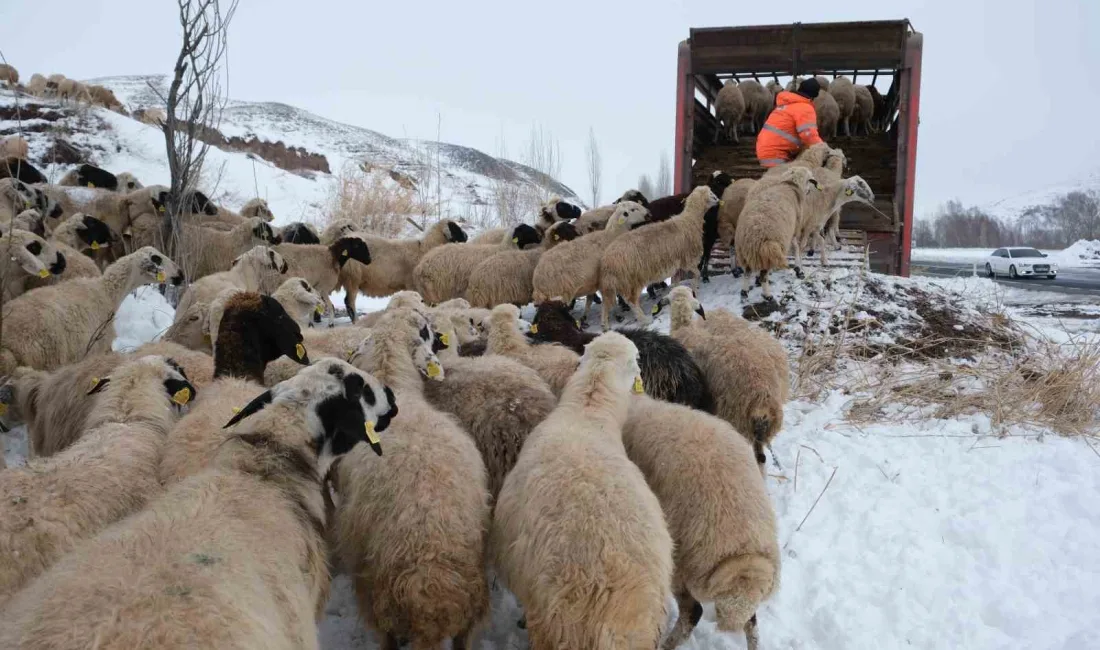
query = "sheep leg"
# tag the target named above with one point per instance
(736, 128)
(350, 294)
(605, 314)
(691, 611)
(765, 283)
(752, 633)
(636, 307)
(390, 642)
(745, 284)
(798, 261)
(589, 300)
(847, 126)
(819, 242)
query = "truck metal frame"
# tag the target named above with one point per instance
(864, 51)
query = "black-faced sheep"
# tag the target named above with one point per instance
(669, 372)
(747, 369)
(577, 534)
(506, 276)
(235, 557)
(54, 326)
(90, 176)
(28, 256)
(299, 233)
(411, 527)
(74, 238)
(21, 170)
(444, 272)
(551, 212)
(654, 252)
(718, 512)
(392, 262)
(322, 265)
(48, 506)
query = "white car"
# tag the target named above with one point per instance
(1020, 263)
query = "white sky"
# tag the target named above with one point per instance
(1009, 100)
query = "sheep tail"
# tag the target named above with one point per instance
(772, 255)
(742, 582)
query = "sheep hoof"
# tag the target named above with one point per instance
(522, 623)
(744, 295)
(737, 272)
(798, 273)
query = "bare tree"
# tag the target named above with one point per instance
(544, 156)
(663, 185)
(595, 167)
(196, 99)
(645, 186)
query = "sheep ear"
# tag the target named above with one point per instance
(98, 384)
(253, 407)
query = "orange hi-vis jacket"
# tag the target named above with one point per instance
(790, 127)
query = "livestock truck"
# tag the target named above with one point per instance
(885, 54)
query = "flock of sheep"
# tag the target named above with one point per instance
(60, 87)
(199, 490)
(745, 105)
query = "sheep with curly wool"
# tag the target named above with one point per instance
(572, 269)
(577, 534)
(718, 512)
(47, 507)
(393, 262)
(17, 197)
(843, 91)
(507, 276)
(254, 331)
(653, 253)
(58, 325)
(769, 222)
(444, 272)
(554, 363)
(410, 528)
(747, 369)
(669, 372)
(234, 557)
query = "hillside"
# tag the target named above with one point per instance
(467, 177)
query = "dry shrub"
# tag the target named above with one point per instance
(374, 201)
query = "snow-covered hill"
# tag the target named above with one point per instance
(464, 177)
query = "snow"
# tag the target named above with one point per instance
(141, 318)
(962, 255)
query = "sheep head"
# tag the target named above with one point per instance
(34, 255)
(558, 233)
(612, 359)
(156, 265)
(343, 405)
(629, 215)
(635, 196)
(857, 189)
(350, 248)
(93, 233)
(455, 234)
(700, 200)
(524, 235)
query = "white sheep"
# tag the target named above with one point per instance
(507, 276)
(729, 108)
(444, 272)
(577, 534)
(768, 223)
(553, 362)
(843, 91)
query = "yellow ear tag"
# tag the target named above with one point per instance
(577, 323)
(236, 410)
(556, 238)
(345, 253)
(639, 387)
(300, 350)
(3, 410)
(28, 205)
(95, 382)
(622, 220)
(372, 435)
(160, 276)
(848, 192)
(433, 370)
(206, 338)
(91, 184)
(320, 309)
(95, 245)
(445, 338)
(655, 309)
(515, 240)
(182, 396)
(721, 202)
(160, 209)
(44, 273)
(534, 328)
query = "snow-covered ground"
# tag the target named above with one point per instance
(1082, 254)
(905, 533)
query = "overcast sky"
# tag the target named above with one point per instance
(1010, 100)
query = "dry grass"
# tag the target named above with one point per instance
(373, 201)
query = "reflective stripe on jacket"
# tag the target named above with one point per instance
(790, 127)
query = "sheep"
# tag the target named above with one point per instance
(653, 253)
(768, 224)
(729, 210)
(718, 512)
(9, 75)
(410, 528)
(37, 85)
(257, 208)
(198, 366)
(234, 557)
(300, 300)
(253, 332)
(774, 87)
(209, 251)
(823, 82)
(864, 111)
(444, 272)
(53, 326)
(20, 169)
(572, 269)
(596, 219)
(729, 108)
(828, 114)
(822, 208)
(506, 276)
(89, 176)
(299, 233)
(153, 116)
(50, 505)
(758, 103)
(261, 268)
(17, 196)
(551, 212)
(28, 255)
(878, 114)
(117, 209)
(105, 97)
(577, 534)
(71, 238)
(322, 265)
(554, 363)
(74, 90)
(746, 367)
(669, 372)
(498, 401)
(393, 262)
(14, 146)
(28, 220)
(843, 91)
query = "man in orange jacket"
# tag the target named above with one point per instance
(791, 126)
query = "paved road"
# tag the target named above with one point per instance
(1071, 281)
